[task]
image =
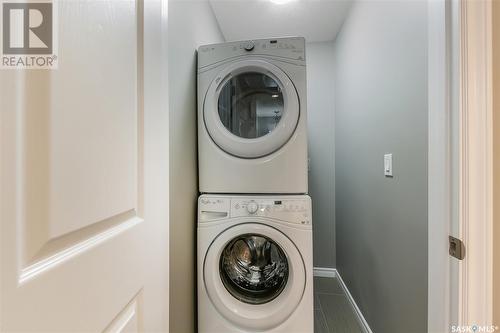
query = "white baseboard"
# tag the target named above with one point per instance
(324, 272)
(332, 272)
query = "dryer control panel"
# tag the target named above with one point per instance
(292, 48)
(292, 209)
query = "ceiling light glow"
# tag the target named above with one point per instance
(281, 2)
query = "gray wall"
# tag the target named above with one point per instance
(381, 107)
(320, 114)
(190, 24)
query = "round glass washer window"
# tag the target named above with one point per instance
(254, 269)
(250, 104)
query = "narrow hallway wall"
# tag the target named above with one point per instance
(190, 24)
(320, 122)
(381, 107)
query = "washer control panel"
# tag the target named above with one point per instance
(214, 204)
(291, 209)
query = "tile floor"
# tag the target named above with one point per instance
(332, 311)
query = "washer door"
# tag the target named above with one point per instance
(251, 109)
(254, 275)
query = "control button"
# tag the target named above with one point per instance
(252, 207)
(249, 46)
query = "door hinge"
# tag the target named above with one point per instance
(457, 248)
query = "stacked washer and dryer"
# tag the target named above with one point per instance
(254, 215)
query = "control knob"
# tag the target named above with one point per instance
(248, 46)
(252, 207)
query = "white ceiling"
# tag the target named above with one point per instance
(316, 20)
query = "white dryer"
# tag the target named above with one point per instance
(252, 131)
(255, 269)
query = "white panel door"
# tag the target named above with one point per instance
(84, 176)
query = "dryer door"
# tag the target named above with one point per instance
(251, 109)
(254, 275)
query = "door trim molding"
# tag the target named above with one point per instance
(476, 164)
(439, 165)
(324, 272)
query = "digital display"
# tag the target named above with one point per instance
(277, 202)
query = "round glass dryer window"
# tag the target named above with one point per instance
(254, 269)
(250, 104)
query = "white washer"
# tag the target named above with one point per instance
(252, 131)
(255, 269)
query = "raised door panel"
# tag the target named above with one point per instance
(93, 142)
(129, 320)
(79, 142)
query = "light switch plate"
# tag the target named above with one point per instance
(388, 165)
